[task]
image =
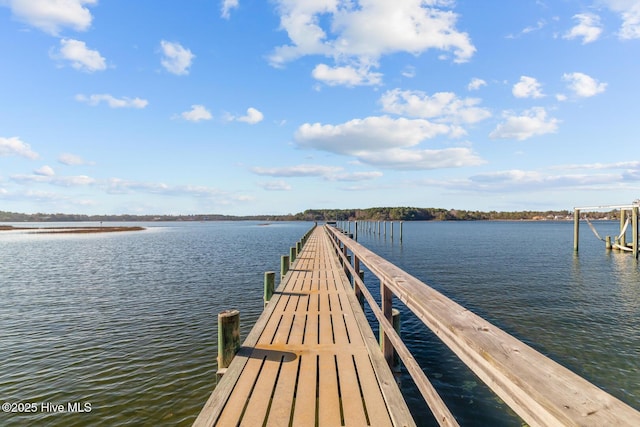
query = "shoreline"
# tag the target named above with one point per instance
(70, 230)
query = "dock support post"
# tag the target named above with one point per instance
(284, 265)
(576, 229)
(623, 219)
(269, 285)
(634, 226)
(607, 243)
(355, 231)
(387, 310)
(391, 230)
(395, 314)
(401, 222)
(292, 254)
(228, 339)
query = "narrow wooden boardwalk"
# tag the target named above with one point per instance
(311, 359)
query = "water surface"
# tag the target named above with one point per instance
(127, 321)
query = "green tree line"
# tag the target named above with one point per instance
(368, 214)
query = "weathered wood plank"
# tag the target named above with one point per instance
(304, 413)
(329, 404)
(354, 412)
(282, 404)
(299, 368)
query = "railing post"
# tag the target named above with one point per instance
(228, 339)
(269, 285)
(292, 254)
(387, 310)
(395, 314)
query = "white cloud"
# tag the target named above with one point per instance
(329, 173)
(357, 34)
(45, 171)
(476, 84)
(297, 171)
(409, 72)
(530, 123)
(215, 195)
(227, 5)
(346, 76)
(369, 134)
(252, 117)
(81, 57)
(443, 106)
(62, 181)
(72, 160)
(588, 28)
(15, 147)
(355, 176)
(527, 87)
(629, 11)
(176, 59)
(196, 114)
(386, 142)
(275, 186)
(519, 180)
(583, 85)
(52, 15)
(634, 164)
(416, 159)
(112, 102)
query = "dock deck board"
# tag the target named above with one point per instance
(311, 359)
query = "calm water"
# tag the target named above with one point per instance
(127, 321)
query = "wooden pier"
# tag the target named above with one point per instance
(628, 213)
(312, 360)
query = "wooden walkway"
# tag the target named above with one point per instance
(311, 359)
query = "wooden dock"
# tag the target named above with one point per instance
(311, 359)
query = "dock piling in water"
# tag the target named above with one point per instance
(228, 338)
(284, 265)
(269, 285)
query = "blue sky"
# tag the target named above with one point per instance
(259, 107)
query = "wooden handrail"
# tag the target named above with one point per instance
(539, 390)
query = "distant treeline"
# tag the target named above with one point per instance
(371, 214)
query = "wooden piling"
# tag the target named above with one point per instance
(284, 265)
(269, 285)
(607, 243)
(634, 232)
(392, 229)
(576, 229)
(622, 241)
(292, 254)
(401, 223)
(228, 338)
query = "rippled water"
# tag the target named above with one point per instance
(581, 310)
(127, 321)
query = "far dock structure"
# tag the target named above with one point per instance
(628, 213)
(312, 360)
